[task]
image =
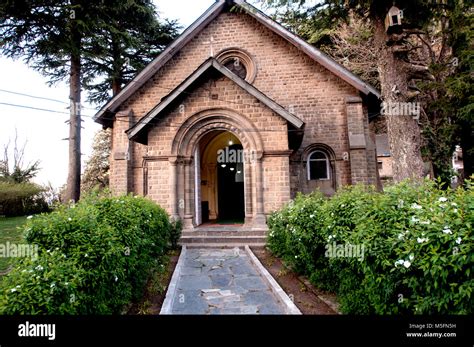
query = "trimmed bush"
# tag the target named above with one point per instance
(414, 243)
(94, 257)
(19, 199)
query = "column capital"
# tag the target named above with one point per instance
(173, 160)
(253, 156)
(187, 161)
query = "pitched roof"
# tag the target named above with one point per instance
(135, 133)
(217, 8)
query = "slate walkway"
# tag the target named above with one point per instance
(221, 281)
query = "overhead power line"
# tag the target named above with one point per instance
(41, 109)
(33, 96)
(119, 120)
(33, 108)
(42, 98)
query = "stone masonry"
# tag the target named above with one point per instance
(334, 114)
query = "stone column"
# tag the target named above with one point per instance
(173, 161)
(197, 188)
(248, 186)
(259, 220)
(188, 194)
(212, 189)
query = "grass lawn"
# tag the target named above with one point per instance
(9, 232)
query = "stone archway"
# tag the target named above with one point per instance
(185, 161)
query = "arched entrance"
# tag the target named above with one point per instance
(200, 138)
(222, 178)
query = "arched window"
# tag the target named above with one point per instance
(318, 166)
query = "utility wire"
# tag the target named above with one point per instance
(33, 108)
(255, 105)
(41, 109)
(32, 96)
(41, 98)
(120, 120)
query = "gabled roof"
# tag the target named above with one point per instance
(136, 132)
(195, 28)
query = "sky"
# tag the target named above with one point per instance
(44, 132)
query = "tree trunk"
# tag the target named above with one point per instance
(74, 176)
(116, 86)
(117, 65)
(403, 130)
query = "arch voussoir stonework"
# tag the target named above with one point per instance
(199, 124)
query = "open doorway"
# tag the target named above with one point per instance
(222, 179)
(231, 188)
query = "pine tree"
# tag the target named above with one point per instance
(131, 36)
(80, 41)
(49, 36)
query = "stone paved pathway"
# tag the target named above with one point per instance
(222, 281)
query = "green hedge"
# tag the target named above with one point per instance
(415, 242)
(20, 199)
(94, 257)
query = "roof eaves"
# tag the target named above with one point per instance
(133, 131)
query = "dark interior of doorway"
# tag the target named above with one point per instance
(230, 192)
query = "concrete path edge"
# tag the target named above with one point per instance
(289, 305)
(167, 306)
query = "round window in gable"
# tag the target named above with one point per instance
(238, 62)
(234, 65)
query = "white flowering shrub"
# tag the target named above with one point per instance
(415, 241)
(94, 257)
(436, 246)
(292, 235)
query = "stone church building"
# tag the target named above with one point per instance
(234, 118)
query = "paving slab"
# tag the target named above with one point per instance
(220, 281)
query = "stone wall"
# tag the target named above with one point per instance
(284, 74)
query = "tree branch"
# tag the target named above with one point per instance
(418, 71)
(409, 32)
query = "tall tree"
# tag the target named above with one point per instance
(49, 36)
(460, 86)
(131, 36)
(351, 44)
(80, 41)
(400, 71)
